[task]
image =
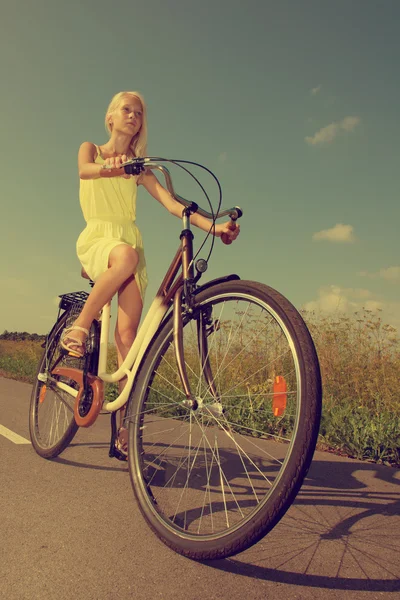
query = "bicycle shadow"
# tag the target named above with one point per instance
(82, 463)
(342, 532)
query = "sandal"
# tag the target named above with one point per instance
(121, 444)
(74, 343)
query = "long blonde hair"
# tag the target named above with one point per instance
(139, 141)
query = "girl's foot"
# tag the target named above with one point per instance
(74, 343)
(121, 444)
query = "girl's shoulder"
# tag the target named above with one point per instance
(90, 150)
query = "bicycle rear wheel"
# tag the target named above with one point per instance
(52, 424)
(214, 479)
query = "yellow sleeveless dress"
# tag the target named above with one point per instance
(109, 209)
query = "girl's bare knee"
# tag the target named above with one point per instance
(124, 258)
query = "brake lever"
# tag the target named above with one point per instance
(133, 169)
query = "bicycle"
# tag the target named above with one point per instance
(223, 399)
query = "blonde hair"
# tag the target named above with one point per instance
(139, 141)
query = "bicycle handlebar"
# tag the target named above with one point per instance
(136, 165)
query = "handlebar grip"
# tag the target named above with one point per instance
(224, 237)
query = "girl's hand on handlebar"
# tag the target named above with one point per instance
(115, 163)
(228, 231)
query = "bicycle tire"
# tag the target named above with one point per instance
(52, 425)
(157, 465)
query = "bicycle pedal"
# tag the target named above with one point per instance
(115, 453)
(70, 355)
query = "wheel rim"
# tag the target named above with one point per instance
(54, 408)
(204, 473)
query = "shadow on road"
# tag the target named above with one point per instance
(342, 532)
(82, 461)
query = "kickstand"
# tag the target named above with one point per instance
(113, 434)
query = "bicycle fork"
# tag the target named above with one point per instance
(185, 292)
(192, 401)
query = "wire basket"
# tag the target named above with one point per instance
(68, 301)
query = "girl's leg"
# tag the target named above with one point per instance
(129, 311)
(122, 262)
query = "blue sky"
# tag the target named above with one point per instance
(293, 104)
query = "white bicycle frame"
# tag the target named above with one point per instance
(133, 359)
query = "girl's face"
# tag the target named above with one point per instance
(127, 118)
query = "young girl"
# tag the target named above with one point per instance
(110, 247)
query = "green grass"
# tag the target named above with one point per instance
(19, 360)
(360, 365)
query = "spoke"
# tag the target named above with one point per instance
(161, 454)
(197, 376)
(208, 489)
(239, 353)
(229, 434)
(206, 358)
(61, 398)
(222, 471)
(255, 373)
(159, 431)
(54, 423)
(221, 481)
(247, 474)
(164, 406)
(216, 337)
(268, 454)
(254, 395)
(209, 349)
(186, 364)
(170, 383)
(234, 335)
(238, 426)
(189, 471)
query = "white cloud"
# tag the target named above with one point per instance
(323, 136)
(349, 123)
(315, 90)
(327, 134)
(339, 233)
(333, 299)
(391, 274)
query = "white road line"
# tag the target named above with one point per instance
(14, 437)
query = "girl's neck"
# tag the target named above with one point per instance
(117, 144)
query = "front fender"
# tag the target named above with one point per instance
(213, 282)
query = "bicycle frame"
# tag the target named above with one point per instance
(173, 290)
(156, 313)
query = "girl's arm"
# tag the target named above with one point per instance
(154, 187)
(88, 169)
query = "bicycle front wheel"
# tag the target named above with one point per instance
(213, 479)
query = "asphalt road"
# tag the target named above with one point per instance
(70, 528)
